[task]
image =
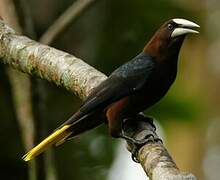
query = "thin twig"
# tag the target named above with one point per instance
(65, 20)
(25, 18)
(75, 75)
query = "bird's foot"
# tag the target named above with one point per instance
(141, 117)
(138, 131)
(136, 144)
(131, 140)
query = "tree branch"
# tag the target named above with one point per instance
(72, 73)
(48, 63)
(153, 156)
(65, 20)
(161, 166)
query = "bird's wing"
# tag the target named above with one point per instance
(125, 80)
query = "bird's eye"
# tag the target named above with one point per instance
(170, 26)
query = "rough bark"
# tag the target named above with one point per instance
(75, 75)
(161, 166)
(47, 63)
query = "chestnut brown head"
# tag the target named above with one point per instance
(170, 36)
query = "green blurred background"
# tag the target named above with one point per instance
(108, 34)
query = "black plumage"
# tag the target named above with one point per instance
(130, 89)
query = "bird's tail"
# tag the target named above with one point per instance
(76, 125)
(55, 138)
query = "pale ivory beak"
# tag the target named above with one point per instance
(184, 27)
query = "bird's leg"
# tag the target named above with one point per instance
(136, 144)
(147, 119)
(141, 125)
(127, 128)
(124, 130)
(135, 141)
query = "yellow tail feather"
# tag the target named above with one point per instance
(50, 140)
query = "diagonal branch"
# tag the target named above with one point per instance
(75, 75)
(48, 63)
(65, 20)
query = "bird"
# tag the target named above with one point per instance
(130, 89)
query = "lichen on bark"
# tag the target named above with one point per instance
(47, 63)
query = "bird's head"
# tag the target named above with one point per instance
(169, 37)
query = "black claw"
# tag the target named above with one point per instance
(127, 138)
(147, 139)
(134, 157)
(134, 141)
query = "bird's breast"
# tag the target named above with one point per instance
(155, 88)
